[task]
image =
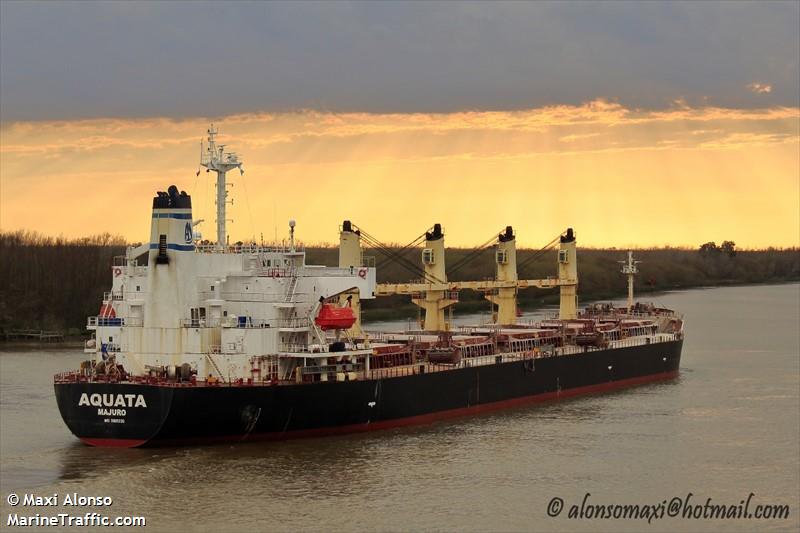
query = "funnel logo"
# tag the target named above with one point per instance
(187, 233)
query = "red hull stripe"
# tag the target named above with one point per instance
(113, 443)
(399, 422)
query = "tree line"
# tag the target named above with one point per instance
(54, 283)
(598, 272)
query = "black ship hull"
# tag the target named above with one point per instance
(128, 414)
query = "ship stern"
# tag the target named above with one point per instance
(122, 415)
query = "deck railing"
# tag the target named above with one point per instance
(293, 322)
(244, 322)
(247, 296)
(294, 347)
(251, 248)
(109, 296)
(95, 321)
(200, 322)
(37, 334)
(420, 367)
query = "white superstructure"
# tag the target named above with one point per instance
(225, 311)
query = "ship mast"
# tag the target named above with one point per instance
(630, 269)
(215, 159)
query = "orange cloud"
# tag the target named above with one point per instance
(621, 176)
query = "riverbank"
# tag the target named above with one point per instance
(406, 311)
(33, 346)
(54, 284)
(410, 311)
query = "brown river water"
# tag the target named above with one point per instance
(729, 426)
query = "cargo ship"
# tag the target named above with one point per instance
(204, 341)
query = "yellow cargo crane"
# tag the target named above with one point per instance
(505, 298)
(434, 293)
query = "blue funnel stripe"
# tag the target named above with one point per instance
(182, 216)
(171, 246)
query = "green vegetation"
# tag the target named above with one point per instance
(55, 283)
(598, 270)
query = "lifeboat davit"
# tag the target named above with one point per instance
(332, 317)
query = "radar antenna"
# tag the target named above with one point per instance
(215, 159)
(630, 269)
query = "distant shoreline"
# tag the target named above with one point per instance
(54, 284)
(409, 311)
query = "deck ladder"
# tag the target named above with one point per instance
(291, 288)
(216, 368)
(318, 334)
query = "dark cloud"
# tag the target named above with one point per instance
(74, 60)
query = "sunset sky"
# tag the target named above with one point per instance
(637, 124)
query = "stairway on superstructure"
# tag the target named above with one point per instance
(290, 290)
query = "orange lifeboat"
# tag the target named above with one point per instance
(332, 317)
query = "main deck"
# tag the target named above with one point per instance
(398, 355)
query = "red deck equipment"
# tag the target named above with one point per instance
(332, 317)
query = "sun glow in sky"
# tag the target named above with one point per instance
(637, 123)
(621, 177)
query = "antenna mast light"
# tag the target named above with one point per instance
(630, 269)
(215, 159)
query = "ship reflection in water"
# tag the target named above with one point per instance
(312, 460)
